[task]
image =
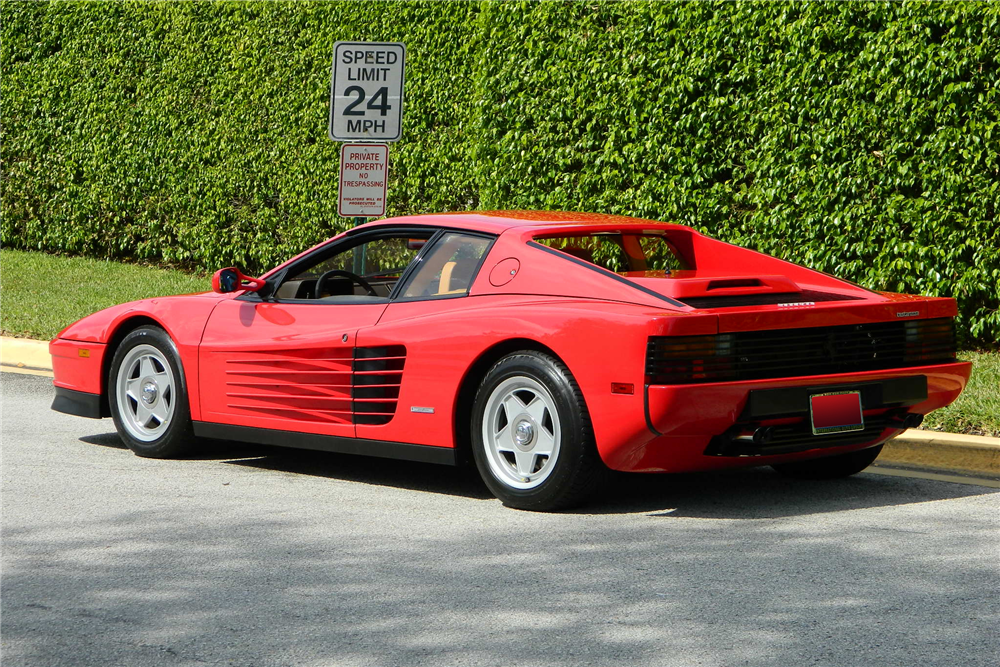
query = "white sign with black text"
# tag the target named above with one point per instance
(366, 91)
(364, 171)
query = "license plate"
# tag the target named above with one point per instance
(836, 412)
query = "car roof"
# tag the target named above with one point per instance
(497, 222)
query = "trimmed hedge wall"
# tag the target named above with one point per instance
(859, 139)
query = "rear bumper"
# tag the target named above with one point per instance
(777, 421)
(79, 403)
(693, 427)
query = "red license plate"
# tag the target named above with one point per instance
(836, 412)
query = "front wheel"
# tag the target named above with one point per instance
(532, 439)
(147, 395)
(830, 467)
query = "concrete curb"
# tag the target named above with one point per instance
(969, 454)
(24, 355)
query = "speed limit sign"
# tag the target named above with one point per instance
(366, 91)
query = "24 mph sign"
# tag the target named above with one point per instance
(364, 169)
(366, 91)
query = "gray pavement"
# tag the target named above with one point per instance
(254, 556)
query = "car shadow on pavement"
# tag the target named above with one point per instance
(749, 493)
(448, 480)
(745, 494)
(208, 450)
(112, 440)
(458, 481)
(761, 493)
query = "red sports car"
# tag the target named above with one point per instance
(548, 347)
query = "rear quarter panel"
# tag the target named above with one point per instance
(600, 343)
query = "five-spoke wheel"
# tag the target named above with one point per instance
(148, 401)
(145, 393)
(521, 432)
(531, 434)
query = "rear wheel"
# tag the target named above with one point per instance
(147, 395)
(532, 439)
(830, 467)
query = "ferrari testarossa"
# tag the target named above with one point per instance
(547, 347)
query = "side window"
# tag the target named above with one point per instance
(366, 270)
(449, 267)
(381, 258)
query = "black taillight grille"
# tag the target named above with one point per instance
(778, 353)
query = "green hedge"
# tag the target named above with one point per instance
(860, 139)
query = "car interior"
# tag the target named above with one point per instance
(371, 269)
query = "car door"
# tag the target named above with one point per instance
(290, 362)
(417, 324)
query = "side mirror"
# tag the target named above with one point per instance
(231, 280)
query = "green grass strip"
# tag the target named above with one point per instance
(977, 410)
(41, 293)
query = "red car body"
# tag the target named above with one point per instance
(679, 370)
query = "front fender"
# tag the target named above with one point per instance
(173, 313)
(182, 317)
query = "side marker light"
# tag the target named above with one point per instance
(84, 353)
(622, 388)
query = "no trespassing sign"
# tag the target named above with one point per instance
(364, 171)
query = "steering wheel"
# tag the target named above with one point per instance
(353, 277)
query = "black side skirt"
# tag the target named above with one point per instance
(327, 443)
(78, 403)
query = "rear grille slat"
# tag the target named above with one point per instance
(756, 355)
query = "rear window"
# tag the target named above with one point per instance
(621, 253)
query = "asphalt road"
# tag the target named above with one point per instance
(254, 556)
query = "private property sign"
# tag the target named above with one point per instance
(366, 91)
(363, 175)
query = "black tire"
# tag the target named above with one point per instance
(563, 478)
(830, 467)
(168, 396)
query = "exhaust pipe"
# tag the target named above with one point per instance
(910, 420)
